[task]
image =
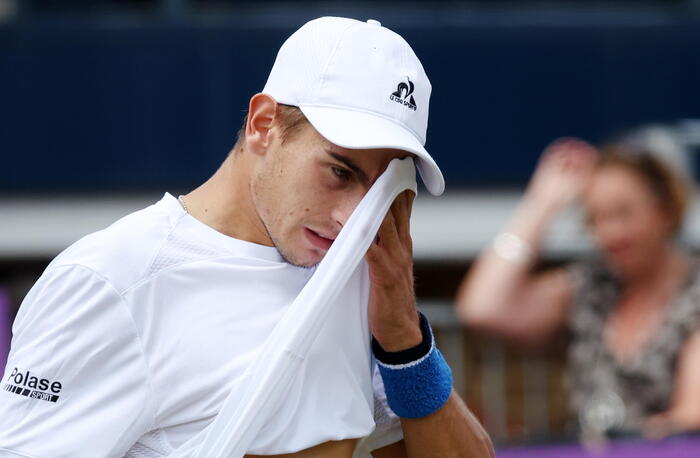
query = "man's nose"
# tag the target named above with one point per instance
(341, 212)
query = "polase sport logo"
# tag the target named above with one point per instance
(403, 94)
(31, 386)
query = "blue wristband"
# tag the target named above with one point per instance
(418, 387)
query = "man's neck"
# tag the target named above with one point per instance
(224, 203)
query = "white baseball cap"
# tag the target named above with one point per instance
(360, 85)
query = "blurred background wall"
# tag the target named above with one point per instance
(105, 105)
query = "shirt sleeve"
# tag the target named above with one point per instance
(76, 380)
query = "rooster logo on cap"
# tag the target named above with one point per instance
(403, 92)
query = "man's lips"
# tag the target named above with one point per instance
(318, 240)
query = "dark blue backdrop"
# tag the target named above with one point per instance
(104, 108)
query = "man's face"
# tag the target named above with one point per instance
(305, 189)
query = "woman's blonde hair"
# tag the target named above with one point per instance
(672, 188)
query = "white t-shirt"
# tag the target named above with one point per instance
(134, 336)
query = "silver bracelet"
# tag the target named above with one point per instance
(512, 248)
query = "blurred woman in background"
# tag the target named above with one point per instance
(633, 311)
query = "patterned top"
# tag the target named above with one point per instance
(608, 395)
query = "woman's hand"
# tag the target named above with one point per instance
(564, 170)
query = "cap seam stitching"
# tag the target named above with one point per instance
(332, 58)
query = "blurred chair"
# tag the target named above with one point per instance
(518, 393)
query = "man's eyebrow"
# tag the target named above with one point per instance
(351, 165)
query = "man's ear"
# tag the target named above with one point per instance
(262, 110)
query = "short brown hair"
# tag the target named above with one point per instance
(671, 188)
(290, 117)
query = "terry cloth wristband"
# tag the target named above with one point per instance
(418, 380)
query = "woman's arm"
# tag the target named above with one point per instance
(684, 414)
(500, 294)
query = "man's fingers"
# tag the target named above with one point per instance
(401, 208)
(388, 231)
(394, 235)
(378, 254)
(404, 203)
(410, 197)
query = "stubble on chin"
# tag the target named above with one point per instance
(289, 256)
(291, 259)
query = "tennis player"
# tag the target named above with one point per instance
(134, 336)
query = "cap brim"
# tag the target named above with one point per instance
(362, 130)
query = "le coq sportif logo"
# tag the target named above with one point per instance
(403, 94)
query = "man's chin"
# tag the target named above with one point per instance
(299, 255)
(308, 259)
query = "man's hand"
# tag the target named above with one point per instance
(452, 430)
(393, 319)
